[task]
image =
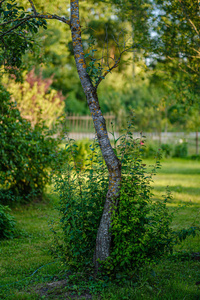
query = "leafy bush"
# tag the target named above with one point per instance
(7, 223)
(82, 151)
(140, 227)
(195, 157)
(181, 150)
(27, 154)
(82, 193)
(149, 150)
(35, 99)
(166, 150)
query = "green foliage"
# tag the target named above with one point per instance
(82, 152)
(195, 157)
(177, 38)
(140, 227)
(82, 193)
(16, 35)
(7, 223)
(166, 150)
(181, 150)
(27, 154)
(170, 276)
(35, 99)
(149, 150)
(94, 67)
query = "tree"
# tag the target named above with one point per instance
(175, 45)
(18, 24)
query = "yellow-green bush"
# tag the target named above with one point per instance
(27, 154)
(35, 99)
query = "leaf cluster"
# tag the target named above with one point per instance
(94, 68)
(17, 29)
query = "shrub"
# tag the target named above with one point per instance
(82, 151)
(181, 150)
(35, 100)
(81, 192)
(195, 157)
(140, 227)
(27, 154)
(7, 223)
(166, 150)
(149, 151)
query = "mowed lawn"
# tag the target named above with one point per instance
(26, 265)
(183, 179)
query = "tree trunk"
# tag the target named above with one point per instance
(103, 240)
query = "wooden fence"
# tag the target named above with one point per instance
(80, 127)
(84, 124)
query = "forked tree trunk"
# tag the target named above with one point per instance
(103, 240)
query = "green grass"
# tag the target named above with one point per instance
(170, 279)
(183, 178)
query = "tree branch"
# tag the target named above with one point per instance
(16, 26)
(113, 67)
(33, 7)
(37, 16)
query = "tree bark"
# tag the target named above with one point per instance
(103, 240)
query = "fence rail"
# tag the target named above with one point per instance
(76, 123)
(80, 127)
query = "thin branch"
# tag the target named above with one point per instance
(113, 67)
(102, 59)
(16, 26)
(33, 7)
(37, 16)
(11, 21)
(53, 17)
(179, 65)
(117, 42)
(198, 51)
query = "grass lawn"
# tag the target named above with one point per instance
(28, 271)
